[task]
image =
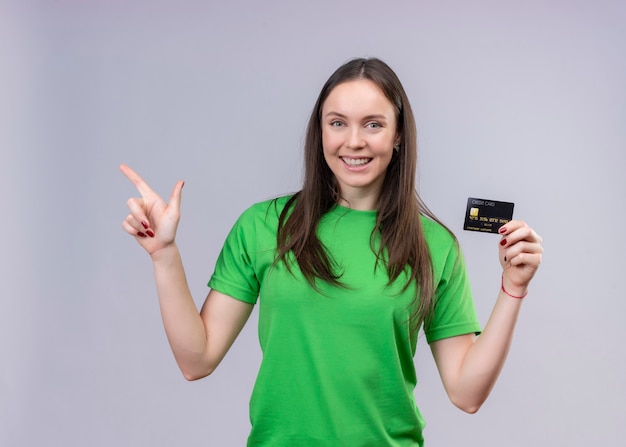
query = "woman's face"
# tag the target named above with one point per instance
(358, 136)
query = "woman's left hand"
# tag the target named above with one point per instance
(520, 255)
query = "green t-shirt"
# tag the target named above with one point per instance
(337, 367)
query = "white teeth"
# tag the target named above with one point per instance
(355, 161)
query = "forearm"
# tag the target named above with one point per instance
(184, 327)
(485, 358)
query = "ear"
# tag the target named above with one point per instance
(398, 138)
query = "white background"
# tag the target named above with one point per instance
(515, 101)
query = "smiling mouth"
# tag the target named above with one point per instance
(356, 161)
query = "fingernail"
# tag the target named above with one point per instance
(150, 233)
(502, 242)
(140, 234)
(145, 224)
(502, 230)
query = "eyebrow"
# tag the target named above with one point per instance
(365, 118)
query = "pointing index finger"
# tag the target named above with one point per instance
(136, 180)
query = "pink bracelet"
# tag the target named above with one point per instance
(512, 296)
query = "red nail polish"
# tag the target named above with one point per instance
(502, 242)
(140, 234)
(502, 230)
(150, 233)
(145, 224)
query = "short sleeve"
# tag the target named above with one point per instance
(454, 312)
(234, 273)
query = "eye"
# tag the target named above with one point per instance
(336, 123)
(373, 125)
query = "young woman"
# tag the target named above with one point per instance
(347, 270)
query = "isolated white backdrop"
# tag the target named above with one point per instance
(516, 101)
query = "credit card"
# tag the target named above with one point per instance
(487, 216)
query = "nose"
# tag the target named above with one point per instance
(355, 139)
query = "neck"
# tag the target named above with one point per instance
(359, 200)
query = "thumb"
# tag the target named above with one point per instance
(175, 197)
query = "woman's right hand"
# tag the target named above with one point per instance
(151, 221)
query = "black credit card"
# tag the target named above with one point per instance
(487, 216)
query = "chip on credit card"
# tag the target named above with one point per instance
(487, 216)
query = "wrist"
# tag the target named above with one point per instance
(511, 290)
(165, 254)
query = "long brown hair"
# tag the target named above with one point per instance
(402, 244)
